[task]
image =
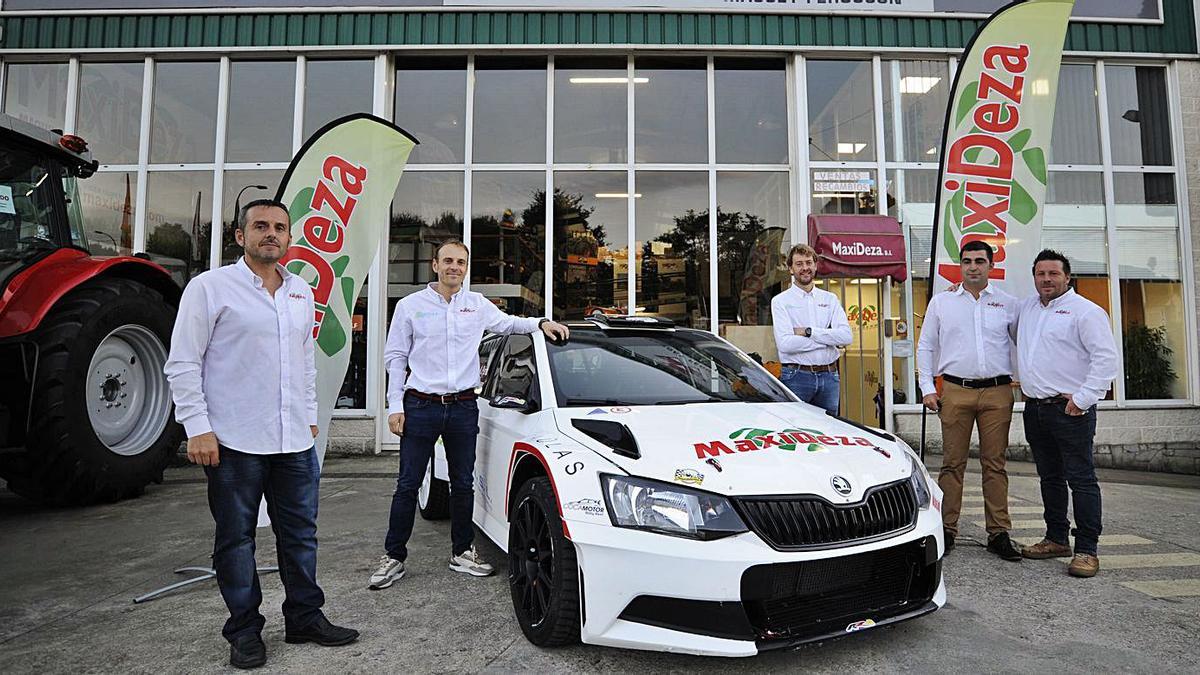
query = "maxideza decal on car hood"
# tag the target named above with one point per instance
(747, 448)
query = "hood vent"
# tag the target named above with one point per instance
(613, 434)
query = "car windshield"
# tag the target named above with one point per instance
(655, 367)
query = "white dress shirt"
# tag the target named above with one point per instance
(438, 342)
(241, 362)
(1066, 349)
(965, 337)
(817, 309)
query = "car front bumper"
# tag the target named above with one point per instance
(738, 596)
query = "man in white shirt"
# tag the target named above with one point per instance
(243, 379)
(967, 339)
(1067, 359)
(435, 336)
(810, 325)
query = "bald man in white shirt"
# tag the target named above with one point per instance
(432, 360)
(244, 382)
(1067, 359)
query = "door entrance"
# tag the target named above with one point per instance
(861, 364)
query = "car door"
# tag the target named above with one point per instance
(489, 351)
(512, 374)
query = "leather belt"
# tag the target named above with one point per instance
(979, 384)
(444, 399)
(828, 368)
(1056, 400)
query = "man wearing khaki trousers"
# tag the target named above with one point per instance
(967, 339)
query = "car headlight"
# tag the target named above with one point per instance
(644, 504)
(918, 478)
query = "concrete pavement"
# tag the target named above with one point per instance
(67, 578)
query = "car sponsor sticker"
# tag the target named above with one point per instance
(598, 411)
(937, 504)
(749, 439)
(860, 625)
(620, 410)
(591, 507)
(712, 461)
(883, 452)
(689, 476)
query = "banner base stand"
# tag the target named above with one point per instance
(205, 573)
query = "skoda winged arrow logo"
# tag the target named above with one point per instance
(840, 485)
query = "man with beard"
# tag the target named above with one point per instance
(243, 378)
(1067, 360)
(810, 326)
(967, 339)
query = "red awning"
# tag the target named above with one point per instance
(858, 246)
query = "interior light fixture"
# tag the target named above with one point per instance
(916, 84)
(617, 195)
(608, 80)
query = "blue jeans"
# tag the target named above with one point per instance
(457, 423)
(820, 389)
(1062, 449)
(290, 483)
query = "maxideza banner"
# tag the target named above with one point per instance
(339, 191)
(992, 183)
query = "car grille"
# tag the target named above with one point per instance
(806, 522)
(790, 601)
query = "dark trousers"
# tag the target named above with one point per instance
(1062, 449)
(820, 389)
(457, 423)
(236, 486)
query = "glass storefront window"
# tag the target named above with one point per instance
(353, 394)
(590, 99)
(751, 111)
(37, 93)
(915, 92)
(184, 119)
(841, 111)
(670, 110)
(844, 191)
(426, 211)
(262, 102)
(510, 110)
(508, 235)
(431, 104)
(108, 205)
(110, 110)
(1075, 220)
(1155, 338)
(591, 243)
(246, 184)
(335, 89)
(1138, 115)
(672, 224)
(753, 238)
(178, 221)
(1076, 136)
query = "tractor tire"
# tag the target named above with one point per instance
(101, 424)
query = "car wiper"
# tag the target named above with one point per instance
(685, 401)
(595, 401)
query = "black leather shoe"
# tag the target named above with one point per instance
(948, 536)
(321, 632)
(247, 651)
(1001, 545)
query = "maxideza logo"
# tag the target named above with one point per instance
(321, 214)
(860, 249)
(981, 165)
(749, 439)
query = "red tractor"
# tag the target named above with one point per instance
(85, 411)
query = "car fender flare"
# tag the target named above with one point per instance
(520, 451)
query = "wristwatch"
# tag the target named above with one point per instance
(543, 322)
(808, 331)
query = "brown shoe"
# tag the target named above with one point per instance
(1046, 549)
(1084, 565)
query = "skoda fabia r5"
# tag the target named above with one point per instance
(656, 488)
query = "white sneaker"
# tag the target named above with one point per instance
(469, 562)
(387, 573)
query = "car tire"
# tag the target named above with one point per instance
(543, 572)
(104, 343)
(433, 497)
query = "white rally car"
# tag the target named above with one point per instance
(656, 488)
